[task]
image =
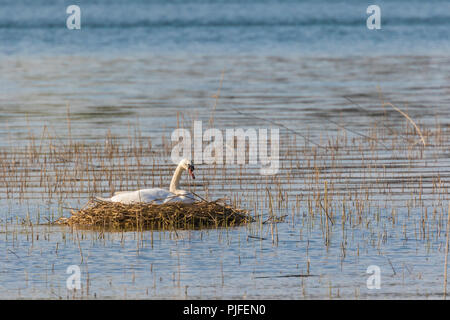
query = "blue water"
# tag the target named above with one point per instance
(225, 27)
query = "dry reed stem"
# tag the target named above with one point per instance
(407, 117)
(383, 104)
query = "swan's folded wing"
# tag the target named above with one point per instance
(156, 194)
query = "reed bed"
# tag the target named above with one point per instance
(391, 170)
(176, 215)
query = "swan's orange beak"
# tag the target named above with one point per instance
(191, 171)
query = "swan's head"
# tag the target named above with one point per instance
(187, 165)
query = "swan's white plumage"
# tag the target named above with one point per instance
(155, 195)
(158, 195)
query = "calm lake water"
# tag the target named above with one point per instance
(290, 65)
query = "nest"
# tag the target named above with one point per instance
(175, 215)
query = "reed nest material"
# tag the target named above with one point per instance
(176, 215)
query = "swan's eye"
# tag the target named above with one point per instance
(191, 171)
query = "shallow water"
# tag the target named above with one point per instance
(281, 69)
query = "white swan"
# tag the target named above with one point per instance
(157, 195)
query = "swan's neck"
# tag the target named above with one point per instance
(174, 184)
